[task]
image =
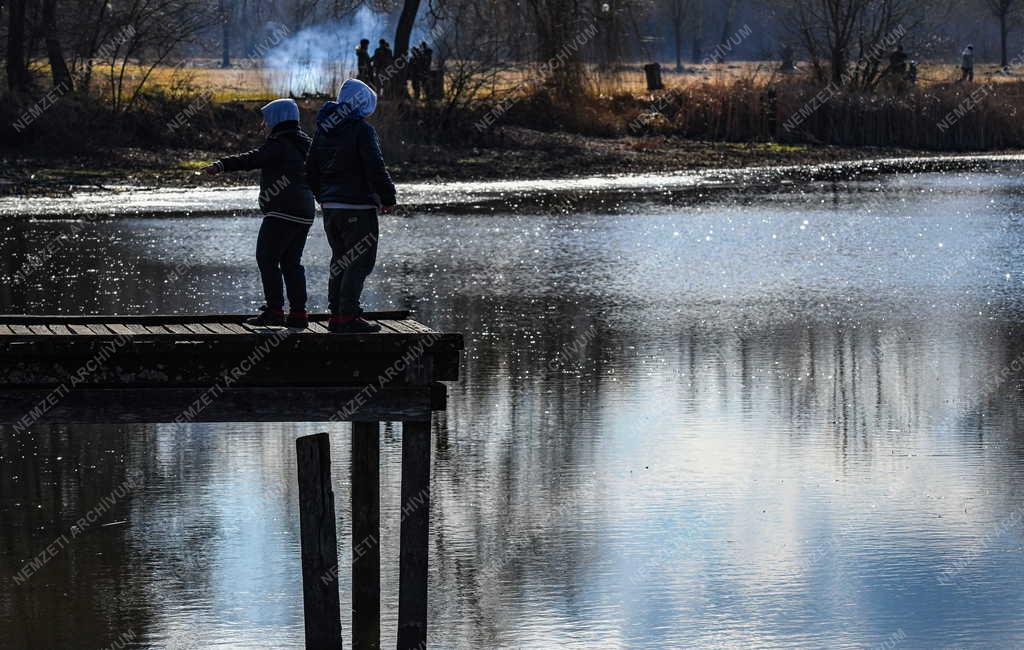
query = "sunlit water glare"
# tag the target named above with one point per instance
(758, 419)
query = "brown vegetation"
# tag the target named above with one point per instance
(940, 116)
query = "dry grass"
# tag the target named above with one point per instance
(243, 83)
(728, 102)
(247, 82)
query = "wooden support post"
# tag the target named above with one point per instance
(412, 585)
(319, 539)
(365, 535)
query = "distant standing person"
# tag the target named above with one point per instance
(383, 60)
(363, 69)
(421, 70)
(418, 70)
(788, 59)
(414, 70)
(898, 62)
(967, 64)
(346, 172)
(288, 210)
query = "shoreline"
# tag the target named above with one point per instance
(523, 155)
(612, 192)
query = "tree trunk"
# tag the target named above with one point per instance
(838, 63)
(1003, 29)
(698, 31)
(730, 16)
(677, 33)
(54, 52)
(403, 33)
(405, 24)
(225, 41)
(17, 65)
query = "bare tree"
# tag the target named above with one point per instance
(556, 24)
(226, 12)
(304, 12)
(148, 33)
(95, 27)
(1004, 11)
(403, 31)
(730, 17)
(17, 61)
(474, 55)
(678, 10)
(847, 41)
(697, 50)
(54, 51)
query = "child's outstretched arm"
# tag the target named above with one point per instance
(255, 159)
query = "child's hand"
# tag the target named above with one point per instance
(212, 169)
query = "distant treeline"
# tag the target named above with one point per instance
(93, 59)
(74, 41)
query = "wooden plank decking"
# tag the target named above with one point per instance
(258, 373)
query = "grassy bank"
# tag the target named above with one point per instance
(727, 121)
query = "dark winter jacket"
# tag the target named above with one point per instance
(345, 163)
(284, 192)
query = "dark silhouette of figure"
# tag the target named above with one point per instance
(967, 64)
(788, 59)
(364, 69)
(419, 68)
(383, 66)
(898, 62)
(415, 70)
(427, 55)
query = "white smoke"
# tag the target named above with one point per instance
(318, 59)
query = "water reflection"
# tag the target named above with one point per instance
(771, 422)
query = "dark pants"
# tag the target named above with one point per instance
(968, 74)
(352, 235)
(279, 255)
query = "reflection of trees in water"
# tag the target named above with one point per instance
(112, 579)
(87, 593)
(519, 446)
(859, 381)
(510, 484)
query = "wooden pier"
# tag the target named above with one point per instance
(215, 368)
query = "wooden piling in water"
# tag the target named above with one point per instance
(412, 585)
(153, 369)
(365, 535)
(319, 543)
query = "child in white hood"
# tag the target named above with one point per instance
(347, 174)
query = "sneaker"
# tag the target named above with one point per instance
(351, 326)
(297, 320)
(267, 317)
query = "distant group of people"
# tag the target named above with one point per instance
(901, 66)
(384, 72)
(419, 70)
(342, 168)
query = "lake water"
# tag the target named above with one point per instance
(773, 418)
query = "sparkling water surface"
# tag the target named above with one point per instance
(788, 417)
